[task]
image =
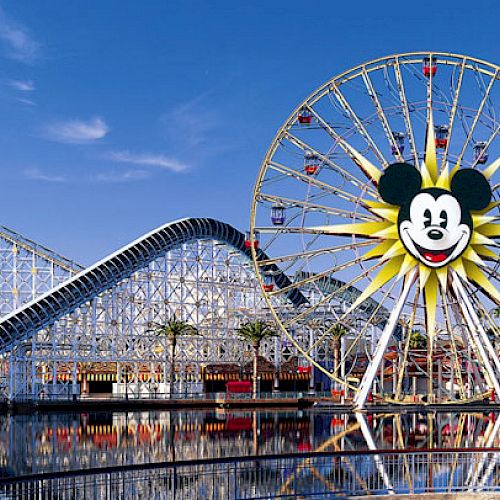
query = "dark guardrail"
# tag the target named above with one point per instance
(301, 475)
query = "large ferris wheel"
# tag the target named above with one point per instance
(384, 182)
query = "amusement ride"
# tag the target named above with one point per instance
(385, 181)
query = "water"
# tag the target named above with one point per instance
(56, 442)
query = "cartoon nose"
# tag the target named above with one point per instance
(435, 234)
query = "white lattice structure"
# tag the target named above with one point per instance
(28, 270)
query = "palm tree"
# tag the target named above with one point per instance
(254, 332)
(337, 331)
(172, 330)
(417, 340)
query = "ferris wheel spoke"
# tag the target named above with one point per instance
(325, 159)
(405, 109)
(370, 230)
(278, 167)
(344, 316)
(477, 116)
(313, 253)
(318, 276)
(403, 368)
(381, 114)
(368, 322)
(358, 124)
(369, 170)
(290, 202)
(454, 111)
(327, 298)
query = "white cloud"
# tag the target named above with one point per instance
(37, 174)
(22, 85)
(191, 124)
(28, 102)
(19, 43)
(130, 175)
(76, 131)
(149, 159)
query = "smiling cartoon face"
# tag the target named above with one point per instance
(433, 228)
(434, 224)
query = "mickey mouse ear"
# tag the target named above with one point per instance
(399, 183)
(471, 188)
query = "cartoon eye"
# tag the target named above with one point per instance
(427, 218)
(443, 216)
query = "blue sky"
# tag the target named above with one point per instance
(119, 116)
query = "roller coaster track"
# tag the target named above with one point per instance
(44, 310)
(63, 299)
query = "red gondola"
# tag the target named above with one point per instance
(441, 136)
(248, 242)
(311, 163)
(429, 67)
(268, 283)
(304, 117)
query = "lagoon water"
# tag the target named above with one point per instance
(55, 442)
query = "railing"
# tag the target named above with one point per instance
(292, 476)
(220, 396)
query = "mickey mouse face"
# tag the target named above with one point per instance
(434, 224)
(432, 230)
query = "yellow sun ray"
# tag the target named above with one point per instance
(396, 249)
(390, 232)
(458, 266)
(388, 213)
(442, 275)
(471, 255)
(485, 252)
(378, 250)
(478, 239)
(490, 230)
(430, 149)
(388, 272)
(443, 181)
(409, 263)
(427, 181)
(368, 168)
(362, 229)
(423, 272)
(490, 171)
(377, 204)
(430, 297)
(478, 220)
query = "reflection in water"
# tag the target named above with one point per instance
(40, 443)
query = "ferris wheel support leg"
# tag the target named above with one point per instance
(369, 376)
(479, 335)
(372, 446)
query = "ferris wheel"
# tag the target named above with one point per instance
(378, 200)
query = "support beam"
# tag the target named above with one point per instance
(369, 376)
(467, 311)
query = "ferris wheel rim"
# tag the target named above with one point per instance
(315, 96)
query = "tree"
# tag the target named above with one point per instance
(417, 340)
(172, 330)
(337, 331)
(254, 332)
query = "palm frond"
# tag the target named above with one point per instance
(256, 331)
